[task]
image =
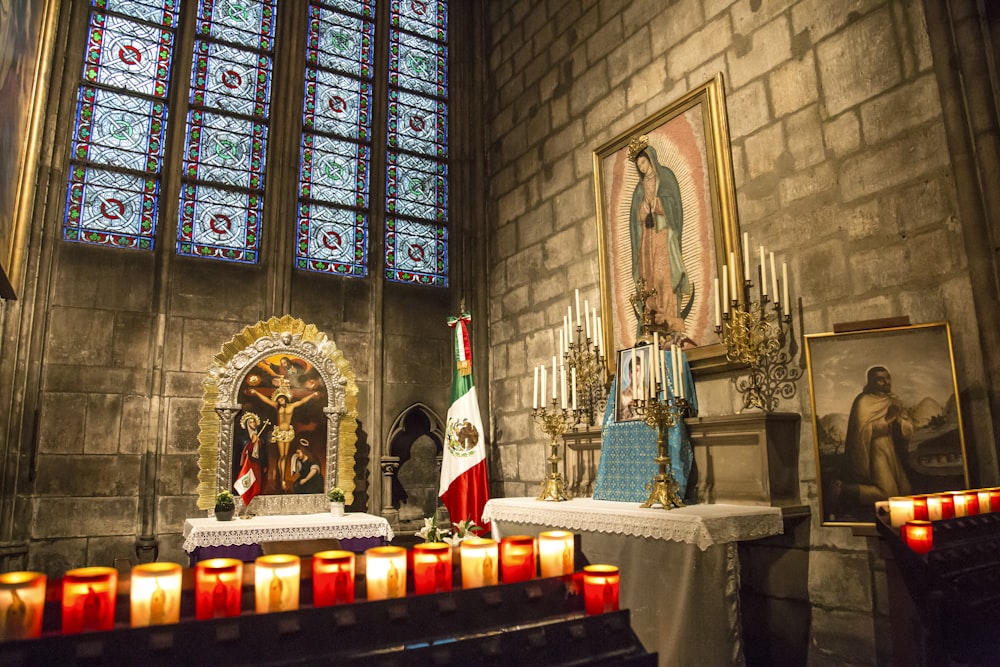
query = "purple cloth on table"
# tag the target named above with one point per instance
(249, 552)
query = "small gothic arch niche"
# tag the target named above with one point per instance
(302, 391)
(417, 438)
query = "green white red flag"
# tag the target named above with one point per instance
(464, 487)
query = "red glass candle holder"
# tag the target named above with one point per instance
(22, 604)
(333, 578)
(431, 568)
(479, 562)
(995, 500)
(88, 599)
(218, 588)
(555, 553)
(600, 588)
(971, 503)
(947, 506)
(918, 535)
(517, 558)
(385, 572)
(920, 510)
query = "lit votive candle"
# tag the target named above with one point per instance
(385, 572)
(155, 594)
(600, 588)
(431, 567)
(479, 562)
(22, 603)
(985, 506)
(517, 558)
(918, 535)
(900, 510)
(88, 599)
(971, 503)
(995, 500)
(276, 583)
(218, 588)
(961, 504)
(333, 578)
(555, 553)
(920, 510)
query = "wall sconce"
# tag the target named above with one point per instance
(88, 599)
(600, 588)
(556, 553)
(517, 558)
(276, 583)
(479, 562)
(22, 604)
(155, 594)
(218, 588)
(333, 578)
(385, 572)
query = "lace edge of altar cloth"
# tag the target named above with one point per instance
(701, 525)
(207, 532)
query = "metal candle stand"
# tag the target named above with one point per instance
(590, 368)
(662, 415)
(554, 423)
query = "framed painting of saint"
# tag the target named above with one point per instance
(886, 417)
(666, 214)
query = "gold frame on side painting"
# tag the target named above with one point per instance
(886, 417)
(689, 143)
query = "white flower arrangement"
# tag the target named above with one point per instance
(463, 530)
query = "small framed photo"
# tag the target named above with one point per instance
(886, 418)
(633, 379)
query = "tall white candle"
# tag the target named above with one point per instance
(725, 289)
(573, 375)
(635, 376)
(656, 348)
(555, 379)
(534, 394)
(784, 287)
(763, 273)
(774, 279)
(586, 317)
(673, 369)
(541, 372)
(746, 256)
(562, 387)
(680, 372)
(718, 302)
(663, 376)
(577, 307)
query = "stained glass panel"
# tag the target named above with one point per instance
(219, 223)
(416, 187)
(332, 240)
(120, 124)
(423, 17)
(334, 171)
(418, 124)
(417, 64)
(337, 104)
(416, 253)
(242, 22)
(340, 42)
(235, 80)
(226, 150)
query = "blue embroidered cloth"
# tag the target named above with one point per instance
(628, 448)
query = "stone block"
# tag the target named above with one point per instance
(748, 111)
(880, 268)
(532, 465)
(83, 476)
(804, 131)
(841, 637)
(512, 204)
(713, 38)
(925, 204)
(408, 360)
(183, 416)
(808, 183)
(135, 411)
(179, 475)
(629, 55)
(770, 46)
(172, 549)
(131, 340)
(750, 16)
(900, 110)
(840, 580)
(104, 551)
(61, 421)
(55, 557)
(842, 135)
(822, 18)
(775, 572)
(171, 511)
(858, 63)
(83, 517)
(119, 280)
(602, 41)
(793, 85)
(562, 248)
(79, 336)
(235, 288)
(103, 424)
(184, 384)
(668, 25)
(763, 150)
(515, 300)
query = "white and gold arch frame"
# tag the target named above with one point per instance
(236, 368)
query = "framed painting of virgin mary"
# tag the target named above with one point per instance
(666, 214)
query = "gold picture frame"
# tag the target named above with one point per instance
(690, 147)
(886, 417)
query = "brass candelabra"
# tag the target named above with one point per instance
(762, 338)
(584, 358)
(554, 423)
(662, 415)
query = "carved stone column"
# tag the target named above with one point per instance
(390, 466)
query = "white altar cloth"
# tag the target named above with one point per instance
(680, 570)
(208, 532)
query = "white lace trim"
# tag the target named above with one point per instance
(702, 525)
(213, 533)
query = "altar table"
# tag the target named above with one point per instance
(241, 538)
(680, 575)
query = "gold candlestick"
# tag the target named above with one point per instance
(554, 424)
(662, 415)
(591, 376)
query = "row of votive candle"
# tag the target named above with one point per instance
(89, 594)
(935, 507)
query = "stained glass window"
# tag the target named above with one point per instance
(121, 118)
(332, 229)
(222, 194)
(416, 237)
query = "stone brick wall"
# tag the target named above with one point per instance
(841, 164)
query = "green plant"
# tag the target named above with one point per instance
(336, 495)
(224, 501)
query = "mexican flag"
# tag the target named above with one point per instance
(464, 486)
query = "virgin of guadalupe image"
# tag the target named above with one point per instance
(656, 221)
